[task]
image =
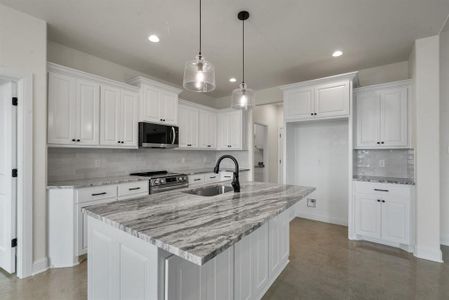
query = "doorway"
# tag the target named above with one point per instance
(8, 175)
(260, 152)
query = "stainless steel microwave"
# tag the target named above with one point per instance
(158, 136)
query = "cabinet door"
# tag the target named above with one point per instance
(260, 260)
(278, 237)
(368, 119)
(168, 107)
(395, 216)
(207, 129)
(219, 279)
(188, 127)
(332, 99)
(298, 104)
(394, 121)
(235, 130)
(129, 111)
(223, 131)
(368, 216)
(150, 105)
(183, 280)
(61, 109)
(110, 115)
(243, 269)
(88, 115)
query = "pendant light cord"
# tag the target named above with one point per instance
(200, 32)
(243, 52)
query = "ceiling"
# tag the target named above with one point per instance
(287, 40)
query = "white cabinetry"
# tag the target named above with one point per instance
(67, 225)
(382, 116)
(73, 107)
(318, 99)
(382, 212)
(158, 102)
(230, 130)
(188, 127)
(207, 129)
(119, 109)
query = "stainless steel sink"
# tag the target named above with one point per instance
(209, 191)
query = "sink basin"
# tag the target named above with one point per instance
(209, 191)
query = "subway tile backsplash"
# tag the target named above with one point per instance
(387, 163)
(73, 164)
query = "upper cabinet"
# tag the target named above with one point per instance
(324, 98)
(207, 129)
(231, 130)
(188, 126)
(73, 110)
(158, 102)
(76, 118)
(382, 116)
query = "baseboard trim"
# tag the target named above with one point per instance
(445, 239)
(429, 254)
(40, 265)
(321, 218)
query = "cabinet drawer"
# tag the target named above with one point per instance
(383, 189)
(196, 179)
(97, 193)
(132, 189)
(211, 177)
(225, 175)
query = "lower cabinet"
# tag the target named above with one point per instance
(383, 212)
(242, 272)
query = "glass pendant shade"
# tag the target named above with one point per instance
(199, 75)
(242, 98)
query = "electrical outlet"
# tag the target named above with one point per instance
(382, 163)
(311, 202)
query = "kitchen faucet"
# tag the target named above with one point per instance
(235, 179)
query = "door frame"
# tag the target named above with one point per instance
(24, 251)
(266, 156)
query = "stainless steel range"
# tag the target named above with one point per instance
(162, 181)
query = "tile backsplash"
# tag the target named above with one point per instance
(72, 164)
(388, 163)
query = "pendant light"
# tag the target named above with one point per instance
(199, 74)
(243, 97)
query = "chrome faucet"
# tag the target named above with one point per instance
(235, 179)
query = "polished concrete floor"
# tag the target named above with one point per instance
(323, 265)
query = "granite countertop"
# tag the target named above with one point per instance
(382, 179)
(207, 170)
(84, 183)
(198, 228)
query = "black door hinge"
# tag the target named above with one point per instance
(13, 243)
(14, 173)
(14, 101)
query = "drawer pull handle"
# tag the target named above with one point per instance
(227, 177)
(99, 194)
(197, 179)
(380, 190)
(134, 189)
(212, 177)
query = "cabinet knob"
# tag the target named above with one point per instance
(78, 140)
(73, 140)
(311, 114)
(378, 143)
(118, 142)
(382, 143)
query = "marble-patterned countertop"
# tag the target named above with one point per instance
(206, 170)
(198, 228)
(381, 179)
(84, 183)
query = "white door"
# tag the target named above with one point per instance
(395, 221)
(298, 104)
(169, 107)
(129, 110)
(235, 130)
(332, 99)
(87, 112)
(368, 119)
(8, 184)
(61, 109)
(393, 105)
(368, 216)
(110, 115)
(150, 105)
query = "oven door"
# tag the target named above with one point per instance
(158, 136)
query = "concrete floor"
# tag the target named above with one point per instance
(323, 265)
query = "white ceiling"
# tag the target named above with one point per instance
(287, 40)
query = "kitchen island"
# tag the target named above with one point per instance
(177, 245)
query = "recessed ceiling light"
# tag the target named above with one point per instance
(232, 79)
(153, 38)
(337, 53)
